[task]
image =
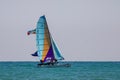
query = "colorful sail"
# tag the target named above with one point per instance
(57, 54)
(46, 47)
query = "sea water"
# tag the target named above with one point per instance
(77, 71)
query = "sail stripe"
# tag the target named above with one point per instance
(47, 43)
(49, 56)
(40, 26)
(45, 47)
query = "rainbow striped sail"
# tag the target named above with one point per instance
(46, 48)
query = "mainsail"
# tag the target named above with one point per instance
(46, 48)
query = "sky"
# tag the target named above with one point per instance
(84, 30)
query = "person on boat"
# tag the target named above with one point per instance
(55, 61)
(52, 62)
(41, 62)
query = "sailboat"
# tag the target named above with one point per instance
(47, 51)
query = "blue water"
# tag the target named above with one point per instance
(78, 71)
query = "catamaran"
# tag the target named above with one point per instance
(47, 51)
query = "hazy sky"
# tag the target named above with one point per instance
(84, 30)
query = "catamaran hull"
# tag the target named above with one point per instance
(55, 65)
